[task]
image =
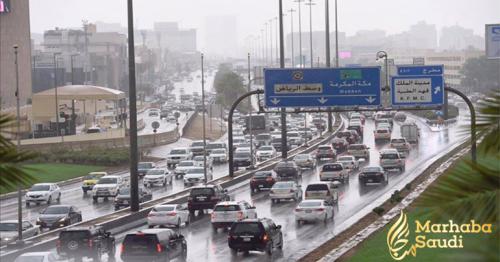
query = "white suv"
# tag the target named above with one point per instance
(392, 159)
(177, 155)
(157, 176)
(43, 192)
(196, 175)
(107, 186)
(225, 213)
(182, 167)
(334, 172)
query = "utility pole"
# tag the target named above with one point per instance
(18, 147)
(265, 45)
(327, 54)
(336, 37)
(73, 116)
(300, 34)
(284, 146)
(310, 4)
(277, 39)
(134, 178)
(56, 98)
(250, 114)
(271, 41)
(203, 108)
(291, 30)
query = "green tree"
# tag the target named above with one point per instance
(12, 174)
(472, 190)
(229, 86)
(481, 74)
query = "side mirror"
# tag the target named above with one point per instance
(278, 226)
(225, 191)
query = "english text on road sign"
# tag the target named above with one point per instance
(419, 70)
(424, 91)
(322, 87)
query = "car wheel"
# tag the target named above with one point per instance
(27, 204)
(179, 223)
(49, 200)
(280, 247)
(59, 198)
(270, 248)
(164, 182)
(170, 182)
(151, 226)
(188, 220)
(95, 199)
(234, 251)
(184, 253)
(325, 219)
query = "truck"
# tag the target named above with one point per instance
(411, 132)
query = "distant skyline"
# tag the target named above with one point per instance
(392, 16)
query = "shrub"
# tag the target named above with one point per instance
(396, 197)
(379, 210)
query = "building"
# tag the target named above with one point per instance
(14, 30)
(169, 36)
(422, 36)
(459, 38)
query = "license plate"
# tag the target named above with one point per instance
(247, 239)
(370, 180)
(125, 202)
(308, 211)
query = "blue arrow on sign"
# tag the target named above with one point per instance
(322, 87)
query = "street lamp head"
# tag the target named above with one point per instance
(381, 54)
(15, 47)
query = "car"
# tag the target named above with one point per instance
(340, 144)
(153, 114)
(410, 131)
(283, 190)
(263, 139)
(157, 176)
(382, 134)
(276, 143)
(107, 186)
(144, 167)
(294, 138)
(355, 122)
(287, 170)
(265, 152)
(171, 119)
(357, 116)
(356, 127)
(313, 210)
(243, 159)
(197, 148)
(164, 113)
(305, 161)
(177, 155)
(400, 144)
(260, 234)
(307, 132)
(334, 172)
(37, 256)
(219, 155)
(348, 161)
(154, 244)
(216, 145)
(43, 192)
(183, 166)
(196, 175)
(392, 159)
(356, 137)
(384, 124)
(227, 212)
(123, 197)
(322, 190)
(200, 161)
(359, 151)
(78, 242)
(400, 117)
(169, 215)
(56, 216)
(90, 180)
(381, 116)
(8, 230)
(263, 180)
(237, 141)
(373, 174)
(94, 130)
(206, 197)
(348, 135)
(243, 148)
(326, 151)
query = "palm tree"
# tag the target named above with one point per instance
(12, 174)
(470, 191)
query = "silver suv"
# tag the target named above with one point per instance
(392, 159)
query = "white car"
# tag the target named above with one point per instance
(182, 167)
(199, 161)
(294, 138)
(401, 145)
(392, 159)
(285, 190)
(384, 125)
(168, 215)
(177, 155)
(349, 162)
(359, 151)
(265, 152)
(107, 186)
(157, 176)
(43, 192)
(219, 155)
(37, 256)
(313, 210)
(225, 213)
(382, 134)
(8, 231)
(196, 175)
(334, 172)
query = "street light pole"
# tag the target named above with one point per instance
(271, 40)
(265, 45)
(203, 114)
(327, 55)
(18, 146)
(56, 98)
(310, 4)
(277, 39)
(73, 116)
(284, 147)
(336, 37)
(291, 30)
(250, 115)
(300, 34)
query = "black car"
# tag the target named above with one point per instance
(263, 180)
(156, 244)
(287, 170)
(123, 197)
(373, 174)
(260, 234)
(242, 159)
(144, 167)
(91, 242)
(56, 216)
(206, 197)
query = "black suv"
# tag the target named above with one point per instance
(260, 234)
(287, 170)
(157, 244)
(263, 179)
(91, 242)
(206, 197)
(123, 197)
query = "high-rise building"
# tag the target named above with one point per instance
(459, 38)
(422, 36)
(14, 30)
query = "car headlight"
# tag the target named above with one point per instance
(38, 220)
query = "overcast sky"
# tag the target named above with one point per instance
(392, 16)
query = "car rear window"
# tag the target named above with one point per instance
(283, 185)
(333, 167)
(40, 188)
(69, 235)
(389, 156)
(344, 158)
(310, 204)
(227, 208)
(145, 165)
(140, 244)
(262, 174)
(382, 131)
(317, 187)
(202, 191)
(178, 152)
(242, 228)
(53, 210)
(324, 148)
(163, 208)
(398, 141)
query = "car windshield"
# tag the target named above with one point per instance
(195, 171)
(5, 226)
(332, 167)
(344, 134)
(242, 155)
(356, 147)
(317, 187)
(242, 228)
(178, 152)
(30, 258)
(155, 172)
(382, 131)
(390, 156)
(227, 208)
(124, 191)
(370, 170)
(202, 191)
(90, 177)
(199, 158)
(140, 244)
(145, 165)
(310, 204)
(163, 208)
(218, 151)
(344, 158)
(53, 210)
(197, 144)
(293, 134)
(398, 141)
(263, 137)
(265, 148)
(215, 145)
(107, 180)
(188, 163)
(283, 185)
(40, 188)
(301, 157)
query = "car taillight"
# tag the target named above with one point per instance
(190, 198)
(122, 248)
(307, 193)
(231, 237)
(158, 248)
(298, 210)
(172, 214)
(265, 238)
(291, 191)
(90, 243)
(320, 209)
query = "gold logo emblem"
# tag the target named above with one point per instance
(397, 239)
